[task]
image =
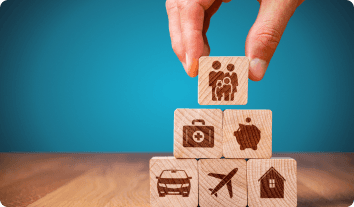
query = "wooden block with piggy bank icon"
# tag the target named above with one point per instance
(247, 134)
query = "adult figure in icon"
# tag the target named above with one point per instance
(234, 81)
(214, 77)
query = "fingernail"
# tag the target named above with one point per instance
(258, 68)
(192, 66)
(186, 67)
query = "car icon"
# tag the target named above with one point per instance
(173, 182)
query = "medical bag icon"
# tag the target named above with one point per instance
(198, 135)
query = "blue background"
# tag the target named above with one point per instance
(101, 76)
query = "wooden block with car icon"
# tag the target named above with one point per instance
(173, 182)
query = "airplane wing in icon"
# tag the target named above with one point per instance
(229, 187)
(219, 176)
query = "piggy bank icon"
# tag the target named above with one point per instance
(247, 136)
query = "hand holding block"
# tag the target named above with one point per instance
(173, 182)
(223, 80)
(272, 182)
(197, 133)
(222, 182)
(247, 134)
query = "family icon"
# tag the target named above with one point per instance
(223, 85)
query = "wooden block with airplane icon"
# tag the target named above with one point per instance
(223, 80)
(247, 133)
(222, 182)
(198, 133)
(272, 182)
(173, 182)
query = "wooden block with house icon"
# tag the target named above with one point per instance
(222, 182)
(173, 182)
(247, 134)
(198, 133)
(223, 80)
(272, 182)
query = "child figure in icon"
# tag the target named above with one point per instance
(248, 136)
(223, 85)
(219, 90)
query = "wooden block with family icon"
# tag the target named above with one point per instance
(223, 80)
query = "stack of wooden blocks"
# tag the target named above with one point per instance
(222, 158)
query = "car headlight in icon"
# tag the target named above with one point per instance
(185, 185)
(162, 185)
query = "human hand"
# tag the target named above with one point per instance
(189, 21)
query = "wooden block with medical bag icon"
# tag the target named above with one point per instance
(247, 134)
(272, 182)
(198, 133)
(173, 182)
(223, 80)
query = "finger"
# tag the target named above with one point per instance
(206, 48)
(264, 36)
(175, 30)
(192, 23)
(207, 17)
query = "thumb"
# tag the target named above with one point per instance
(265, 34)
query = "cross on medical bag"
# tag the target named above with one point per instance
(198, 135)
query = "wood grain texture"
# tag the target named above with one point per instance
(257, 170)
(238, 181)
(41, 178)
(183, 118)
(187, 168)
(207, 80)
(261, 119)
(324, 179)
(102, 187)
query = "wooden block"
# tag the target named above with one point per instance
(222, 182)
(198, 133)
(272, 182)
(247, 134)
(223, 80)
(173, 182)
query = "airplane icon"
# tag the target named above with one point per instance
(225, 180)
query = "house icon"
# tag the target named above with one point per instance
(272, 184)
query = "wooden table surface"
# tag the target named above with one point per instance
(324, 179)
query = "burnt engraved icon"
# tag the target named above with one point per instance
(223, 85)
(248, 136)
(173, 182)
(225, 180)
(198, 135)
(272, 184)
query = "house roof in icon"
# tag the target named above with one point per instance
(274, 170)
